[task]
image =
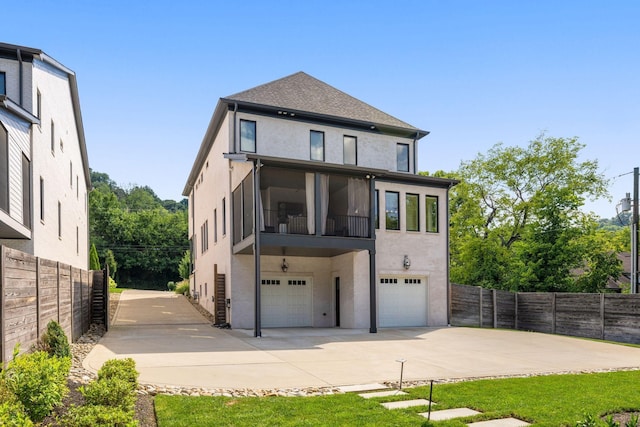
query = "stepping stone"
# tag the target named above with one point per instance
(362, 387)
(503, 422)
(401, 404)
(449, 414)
(382, 394)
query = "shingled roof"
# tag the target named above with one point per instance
(301, 92)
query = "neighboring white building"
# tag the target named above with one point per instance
(44, 170)
(349, 235)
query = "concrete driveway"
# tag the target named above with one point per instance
(173, 344)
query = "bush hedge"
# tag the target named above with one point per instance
(12, 412)
(124, 369)
(183, 288)
(54, 341)
(97, 416)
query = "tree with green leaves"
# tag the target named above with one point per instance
(517, 223)
(94, 260)
(184, 266)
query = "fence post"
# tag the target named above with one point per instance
(480, 288)
(602, 297)
(2, 319)
(495, 308)
(553, 313)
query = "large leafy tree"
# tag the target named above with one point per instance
(135, 232)
(517, 223)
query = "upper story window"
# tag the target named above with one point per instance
(248, 136)
(350, 150)
(413, 212)
(392, 210)
(317, 145)
(4, 169)
(53, 137)
(402, 156)
(38, 105)
(3, 83)
(431, 207)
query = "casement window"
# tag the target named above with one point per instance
(26, 191)
(317, 145)
(350, 150)
(248, 136)
(77, 240)
(77, 188)
(204, 236)
(224, 216)
(412, 212)
(4, 169)
(3, 83)
(392, 210)
(53, 137)
(215, 226)
(41, 199)
(59, 220)
(431, 208)
(376, 209)
(402, 155)
(71, 174)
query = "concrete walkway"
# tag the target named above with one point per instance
(173, 344)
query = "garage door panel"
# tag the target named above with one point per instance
(402, 301)
(286, 302)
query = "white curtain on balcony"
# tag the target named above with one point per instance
(311, 202)
(358, 197)
(324, 201)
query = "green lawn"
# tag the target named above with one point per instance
(116, 290)
(558, 400)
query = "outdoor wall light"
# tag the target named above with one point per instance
(284, 266)
(228, 302)
(406, 263)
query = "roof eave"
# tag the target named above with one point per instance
(16, 109)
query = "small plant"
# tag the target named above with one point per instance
(171, 286)
(12, 413)
(54, 341)
(97, 416)
(114, 392)
(124, 369)
(183, 288)
(588, 421)
(609, 422)
(633, 421)
(112, 283)
(38, 381)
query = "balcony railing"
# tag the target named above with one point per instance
(336, 225)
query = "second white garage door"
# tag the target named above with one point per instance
(286, 302)
(402, 301)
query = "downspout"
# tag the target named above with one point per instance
(20, 77)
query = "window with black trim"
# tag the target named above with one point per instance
(224, 216)
(376, 209)
(3, 83)
(4, 169)
(248, 136)
(431, 208)
(59, 220)
(215, 226)
(350, 150)
(402, 157)
(317, 145)
(413, 212)
(392, 210)
(53, 137)
(41, 199)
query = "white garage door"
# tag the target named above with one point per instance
(402, 301)
(286, 302)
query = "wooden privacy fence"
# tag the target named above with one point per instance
(614, 317)
(34, 291)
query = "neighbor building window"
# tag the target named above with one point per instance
(215, 226)
(248, 136)
(4, 169)
(26, 191)
(392, 210)
(77, 240)
(317, 145)
(39, 105)
(59, 220)
(402, 154)
(71, 174)
(204, 236)
(53, 137)
(224, 216)
(431, 207)
(350, 150)
(3, 83)
(413, 212)
(41, 199)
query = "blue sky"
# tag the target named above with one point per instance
(472, 72)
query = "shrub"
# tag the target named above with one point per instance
(12, 413)
(54, 341)
(112, 283)
(96, 415)
(171, 286)
(183, 288)
(124, 369)
(115, 392)
(38, 381)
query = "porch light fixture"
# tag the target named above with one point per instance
(406, 262)
(284, 266)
